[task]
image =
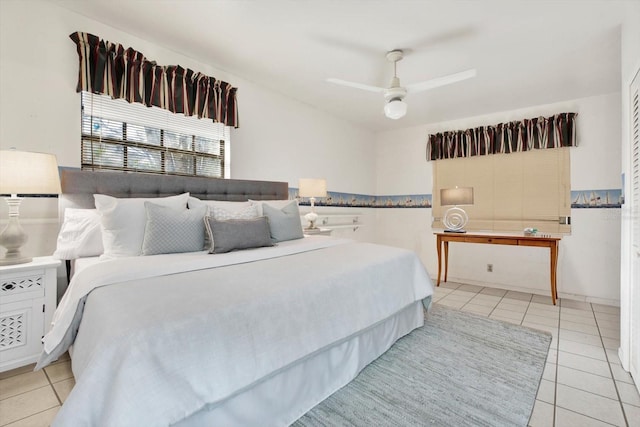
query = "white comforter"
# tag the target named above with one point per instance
(163, 337)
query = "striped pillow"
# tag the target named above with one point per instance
(222, 214)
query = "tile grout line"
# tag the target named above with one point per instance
(606, 356)
(28, 416)
(586, 416)
(555, 379)
(52, 387)
(589, 392)
(555, 382)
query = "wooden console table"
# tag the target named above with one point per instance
(498, 239)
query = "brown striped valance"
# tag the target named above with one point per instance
(529, 134)
(110, 69)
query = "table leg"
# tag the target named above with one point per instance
(446, 260)
(439, 249)
(554, 265)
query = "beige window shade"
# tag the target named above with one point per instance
(511, 191)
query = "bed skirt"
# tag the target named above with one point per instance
(283, 397)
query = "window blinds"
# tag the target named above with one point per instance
(117, 135)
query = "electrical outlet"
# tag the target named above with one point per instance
(490, 268)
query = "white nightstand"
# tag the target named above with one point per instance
(315, 231)
(27, 302)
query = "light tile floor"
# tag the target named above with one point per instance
(583, 383)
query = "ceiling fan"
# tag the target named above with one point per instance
(395, 107)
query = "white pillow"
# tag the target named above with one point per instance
(278, 204)
(123, 222)
(228, 206)
(80, 235)
(222, 214)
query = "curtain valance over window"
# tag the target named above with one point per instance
(110, 69)
(537, 133)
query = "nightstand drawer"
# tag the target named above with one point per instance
(493, 240)
(13, 287)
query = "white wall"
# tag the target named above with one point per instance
(589, 258)
(279, 138)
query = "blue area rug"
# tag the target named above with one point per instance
(458, 370)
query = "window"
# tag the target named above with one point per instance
(117, 135)
(511, 191)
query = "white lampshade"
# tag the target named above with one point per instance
(311, 187)
(23, 172)
(456, 196)
(395, 109)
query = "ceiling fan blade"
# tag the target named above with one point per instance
(441, 81)
(357, 85)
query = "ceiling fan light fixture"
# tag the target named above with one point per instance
(395, 109)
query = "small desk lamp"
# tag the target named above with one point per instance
(23, 173)
(312, 188)
(456, 218)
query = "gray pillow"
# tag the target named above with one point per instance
(234, 234)
(169, 230)
(284, 223)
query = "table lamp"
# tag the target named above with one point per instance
(23, 173)
(456, 218)
(312, 188)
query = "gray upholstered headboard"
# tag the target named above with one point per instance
(78, 187)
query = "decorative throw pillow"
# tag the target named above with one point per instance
(284, 223)
(80, 235)
(235, 234)
(123, 221)
(169, 230)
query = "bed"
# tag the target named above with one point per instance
(245, 337)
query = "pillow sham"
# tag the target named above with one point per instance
(229, 206)
(123, 222)
(220, 213)
(80, 235)
(279, 204)
(236, 234)
(284, 223)
(169, 230)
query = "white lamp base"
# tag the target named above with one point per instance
(312, 217)
(455, 219)
(13, 236)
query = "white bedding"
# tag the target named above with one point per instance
(117, 270)
(163, 337)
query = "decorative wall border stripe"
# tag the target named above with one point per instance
(589, 199)
(580, 199)
(353, 200)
